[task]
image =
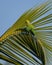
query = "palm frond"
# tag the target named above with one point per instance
(20, 46)
(23, 48)
(31, 15)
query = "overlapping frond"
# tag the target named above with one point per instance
(24, 48)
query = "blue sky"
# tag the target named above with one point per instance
(11, 10)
